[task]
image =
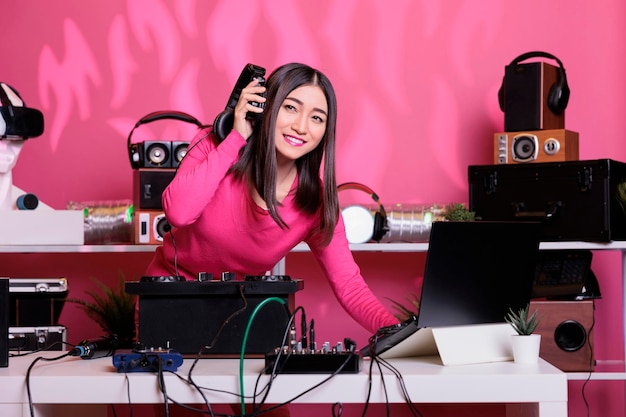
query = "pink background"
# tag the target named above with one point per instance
(417, 86)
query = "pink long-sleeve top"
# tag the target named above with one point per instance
(218, 227)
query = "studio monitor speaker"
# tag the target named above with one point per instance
(566, 330)
(554, 145)
(527, 94)
(150, 227)
(148, 187)
(4, 322)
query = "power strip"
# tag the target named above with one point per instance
(292, 362)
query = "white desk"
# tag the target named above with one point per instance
(72, 385)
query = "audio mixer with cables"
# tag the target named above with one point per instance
(340, 358)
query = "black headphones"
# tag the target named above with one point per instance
(224, 121)
(135, 150)
(380, 217)
(559, 91)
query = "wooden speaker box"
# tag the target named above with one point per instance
(566, 330)
(556, 145)
(526, 94)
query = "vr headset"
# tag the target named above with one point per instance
(17, 122)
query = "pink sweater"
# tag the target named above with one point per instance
(217, 227)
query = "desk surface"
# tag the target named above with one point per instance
(78, 381)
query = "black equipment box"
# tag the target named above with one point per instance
(4, 322)
(36, 301)
(575, 200)
(212, 317)
(28, 339)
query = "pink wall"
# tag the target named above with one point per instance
(417, 86)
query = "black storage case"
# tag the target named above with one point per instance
(575, 200)
(188, 315)
(4, 322)
(27, 339)
(36, 301)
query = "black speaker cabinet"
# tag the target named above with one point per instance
(526, 92)
(4, 322)
(190, 316)
(574, 200)
(566, 330)
(148, 187)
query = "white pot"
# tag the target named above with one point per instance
(526, 348)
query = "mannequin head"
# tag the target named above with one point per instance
(9, 152)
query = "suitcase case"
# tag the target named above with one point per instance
(36, 301)
(28, 339)
(4, 322)
(575, 200)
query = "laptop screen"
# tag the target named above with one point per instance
(475, 271)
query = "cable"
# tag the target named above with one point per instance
(210, 346)
(405, 393)
(382, 362)
(30, 398)
(176, 172)
(274, 371)
(245, 341)
(591, 354)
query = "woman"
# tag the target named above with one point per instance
(241, 205)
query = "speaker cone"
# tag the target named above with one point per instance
(525, 148)
(157, 154)
(161, 227)
(179, 150)
(570, 336)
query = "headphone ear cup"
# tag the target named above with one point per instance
(501, 95)
(558, 95)
(380, 226)
(223, 124)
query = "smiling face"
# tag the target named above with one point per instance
(301, 123)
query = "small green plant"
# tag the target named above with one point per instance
(403, 312)
(523, 323)
(114, 311)
(458, 212)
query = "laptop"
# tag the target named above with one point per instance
(474, 272)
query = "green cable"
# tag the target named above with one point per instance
(243, 346)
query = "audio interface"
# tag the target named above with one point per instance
(147, 360)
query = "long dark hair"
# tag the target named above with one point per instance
(257, 162)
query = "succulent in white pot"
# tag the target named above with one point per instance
(526, 344)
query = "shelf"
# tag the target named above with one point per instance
(605, 370)
(302, 247)
(423, 247)
(77, 248)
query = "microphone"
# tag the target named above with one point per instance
(98, 348)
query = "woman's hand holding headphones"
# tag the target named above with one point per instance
(251, 103)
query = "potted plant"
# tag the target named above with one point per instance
(525, 343)
(403, 312)
(458, 212)
(114, 311)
